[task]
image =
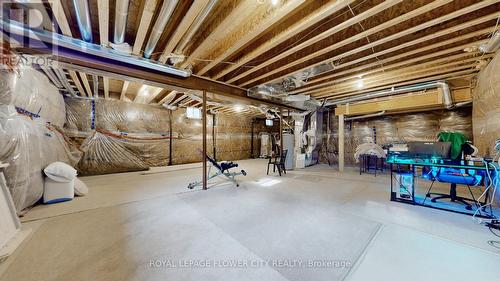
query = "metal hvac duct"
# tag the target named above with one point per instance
(71, 45)
(365, 116)
(83, 18)
(166, 11)
(492, 45)
(194, 27)
(447, 101)
(121, 13)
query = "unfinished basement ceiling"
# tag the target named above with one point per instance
(319, 48)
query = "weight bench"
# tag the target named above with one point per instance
(221, 169)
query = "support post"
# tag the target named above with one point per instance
(341, 143)
(281, 133)
(214, 137)
(251, 140)
(170, 138)
(204, 138)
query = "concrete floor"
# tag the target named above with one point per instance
(312, 224)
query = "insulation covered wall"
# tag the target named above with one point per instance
(121, 136)
(27, 142)
(486, 108)
(394, 128)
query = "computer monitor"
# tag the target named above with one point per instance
(430, 149)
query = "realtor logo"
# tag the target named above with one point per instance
(18, 21)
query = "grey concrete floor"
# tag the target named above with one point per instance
(311, 224)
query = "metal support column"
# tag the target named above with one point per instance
(251, 139)
(341, 143)
(204, 137)
(281, 133)
(170, 138)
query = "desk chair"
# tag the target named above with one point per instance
(452, 177)
(278, 162)
(460, 147)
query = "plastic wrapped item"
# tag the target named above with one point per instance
(369, 149)
(28, 146)
(457, 121)
(418, 127)
(34, 93)
(7, 84)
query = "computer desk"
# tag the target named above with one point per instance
(395, 164)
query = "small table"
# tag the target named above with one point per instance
(366, 162)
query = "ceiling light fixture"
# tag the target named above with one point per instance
(360, 84)
(275, 2)
(238, 108)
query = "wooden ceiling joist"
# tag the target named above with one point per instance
(269, 21)
(103, 13)
(195, 9)
(105, 82)
(247, 43)
(168, 98)
(145, 21)
(301, 25)
(421, 70)
(76, 81)
(354, 20)
(392, 66)
(409, 53)
(62, 22)
(243, 10)
(123, 92)
(389, 82)
(86, 84)
(385, 62)
(389, 38)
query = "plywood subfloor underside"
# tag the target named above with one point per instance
(130, 220)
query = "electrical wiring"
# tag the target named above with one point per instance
(492, 183)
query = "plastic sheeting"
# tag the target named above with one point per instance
(486, 109)
(105, 153)
(7, 84)
(418, 127)
(395, 128)
(119, 136)
(28, 146)
(35, 94)
(457, 121)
